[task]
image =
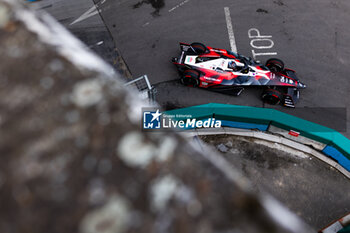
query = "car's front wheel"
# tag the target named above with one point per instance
(190, 78)
(271, 96)
(275, 65)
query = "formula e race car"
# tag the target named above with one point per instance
(228, 72)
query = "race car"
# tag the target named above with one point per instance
(228, 72)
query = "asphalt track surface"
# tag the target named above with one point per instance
(82, 18)
(310, 36)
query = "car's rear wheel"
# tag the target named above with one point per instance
(199, 48)
(275, 65)
(190, 78)
(271, 96)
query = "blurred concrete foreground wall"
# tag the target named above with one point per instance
(73, 157)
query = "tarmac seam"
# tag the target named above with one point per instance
(123, 66)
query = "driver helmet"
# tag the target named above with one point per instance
(232, 65)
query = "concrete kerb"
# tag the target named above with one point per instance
(266, 136)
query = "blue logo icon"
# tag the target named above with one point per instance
(151, 120)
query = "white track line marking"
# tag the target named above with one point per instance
(145, 24)
(178, 5)
(91, 12)
(231, 36)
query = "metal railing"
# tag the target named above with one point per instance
(146, 90)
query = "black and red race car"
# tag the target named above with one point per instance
(228, 72)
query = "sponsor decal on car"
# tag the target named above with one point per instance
(208, 78)
(217, 51)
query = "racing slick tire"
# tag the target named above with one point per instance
(275, 65)
(199, 48)
(190, 78)
(271, 96)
